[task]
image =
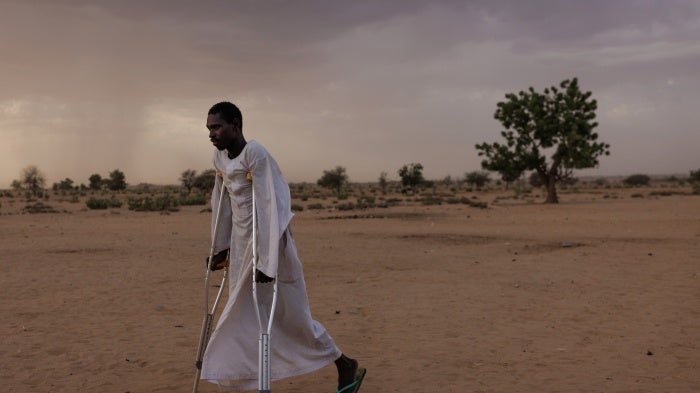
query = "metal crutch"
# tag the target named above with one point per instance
(264, 340)
(209, 315)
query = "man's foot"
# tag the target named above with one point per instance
(347, 368)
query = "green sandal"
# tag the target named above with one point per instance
(355, 386)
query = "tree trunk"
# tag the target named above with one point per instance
(551, 191)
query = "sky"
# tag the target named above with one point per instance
(89, 86)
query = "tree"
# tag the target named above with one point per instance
(411, 175)
(187, 179)
(334, 179)
(16, 185)
(65, 185)
(32, 179)
(383, 182)
(205, 181)
(694, 176)
(95, 181)
(560, 121)
(477, 179)
(116, 180)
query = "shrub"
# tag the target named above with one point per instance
(431, 200)
(345, 206)
(162, 203)
(97, 204)
(39, 207)
(100, 203)
(694, 176)
(297, 208)
(637, 180)
(193, 200)
(315, 206)
(365, 202)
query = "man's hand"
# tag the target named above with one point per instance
(260, 277)
(219, 261)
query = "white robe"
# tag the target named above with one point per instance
(298, 343)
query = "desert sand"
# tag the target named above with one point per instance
(592, 295)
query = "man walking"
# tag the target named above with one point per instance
(300, 345)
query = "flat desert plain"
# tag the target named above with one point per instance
(592, 295)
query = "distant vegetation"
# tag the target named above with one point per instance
(334, 192)
(637, 180)
(335, 179)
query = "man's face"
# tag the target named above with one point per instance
(221, 133)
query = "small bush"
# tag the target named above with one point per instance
(637, 180)
(97, 204)
(431, 200)
(345, 206)
(665, 193)
(474, 202)
(637, 196)
(101, 203)
(365, 202)
(393, 201)
(297, 208)
(39, 207)
(315, 206)
(193, 200)
(162, 203)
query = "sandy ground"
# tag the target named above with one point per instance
(592, 295)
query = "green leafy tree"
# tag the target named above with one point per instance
(187, 179)
(334, 179)
(32, 179)
(95, 181)
(411, 175)
(559, 121)
(117, 180)
(205, 181)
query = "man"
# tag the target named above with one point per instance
(299, 344)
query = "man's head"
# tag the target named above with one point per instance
(225, 124)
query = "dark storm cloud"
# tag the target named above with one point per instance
(367, 84)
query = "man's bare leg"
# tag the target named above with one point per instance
(347, 368)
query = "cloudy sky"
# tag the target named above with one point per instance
(90, 86)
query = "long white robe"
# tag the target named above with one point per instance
(298, 343)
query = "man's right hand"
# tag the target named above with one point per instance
(218, 261)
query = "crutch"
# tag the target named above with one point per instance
(264, 340)
(209, 315)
